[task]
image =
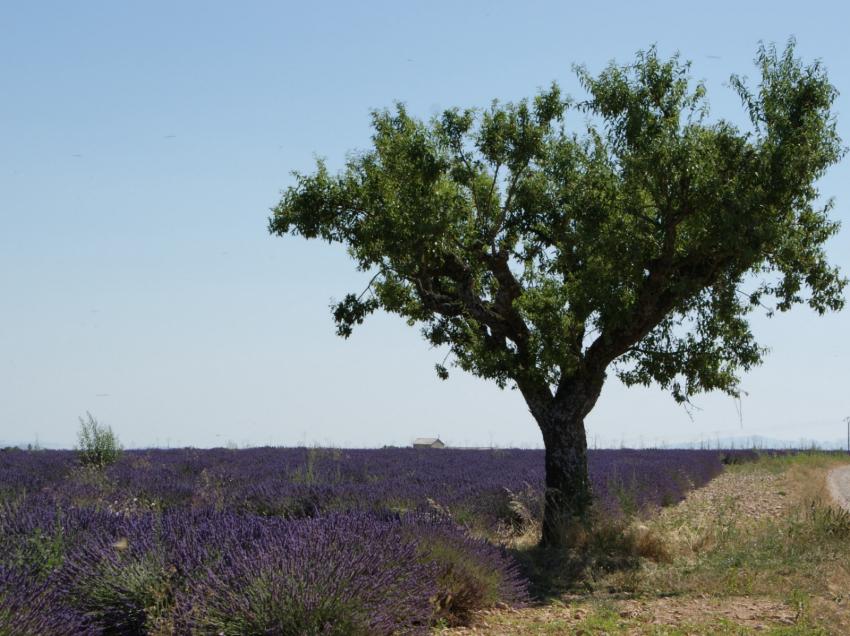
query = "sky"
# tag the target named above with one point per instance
(143, 144)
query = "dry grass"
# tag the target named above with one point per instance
(760, 549)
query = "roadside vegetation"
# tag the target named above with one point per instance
(760, 549)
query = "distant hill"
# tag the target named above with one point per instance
(728, 442)
(760, 441)
(25, 445)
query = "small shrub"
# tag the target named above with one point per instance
(128, 594)
(268, 608)
(30, 606)
(822, 523)
(42, 551)
(521, 512)
(339, 575)
(649, 544)
(736, 457)
(33, 539)
(471, 574)
(99, 446)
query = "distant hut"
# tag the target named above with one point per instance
(428, 442)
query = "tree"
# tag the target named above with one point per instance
(543, 258)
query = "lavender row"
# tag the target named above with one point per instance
(476, 487)
(81, 571)
(267, 540)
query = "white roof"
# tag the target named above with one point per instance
(427, 440)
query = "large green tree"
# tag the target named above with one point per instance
(544, 258)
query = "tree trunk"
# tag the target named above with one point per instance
(568, 497)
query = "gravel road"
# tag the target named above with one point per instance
(839, 486)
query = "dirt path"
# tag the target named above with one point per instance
(839, 486)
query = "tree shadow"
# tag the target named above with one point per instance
(590, 554)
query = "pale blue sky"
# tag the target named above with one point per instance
(141, 145)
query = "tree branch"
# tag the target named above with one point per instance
(369, 286)
(503, 210)
(654, 302)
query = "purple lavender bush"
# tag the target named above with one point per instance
(125, 586)
(31, 606)
(216, 572)
(269, 541)
(341, 574)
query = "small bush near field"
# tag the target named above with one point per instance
(98, 445)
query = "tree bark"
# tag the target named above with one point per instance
(568, 496)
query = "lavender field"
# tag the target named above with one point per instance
(286, 541)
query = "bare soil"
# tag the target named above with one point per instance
(692, 615)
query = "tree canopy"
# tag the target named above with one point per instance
(544, 240)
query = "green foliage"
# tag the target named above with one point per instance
(541, 256)
(131, 593)
(98, 445)
(825, 524)
(464, 584)
(41, 552)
